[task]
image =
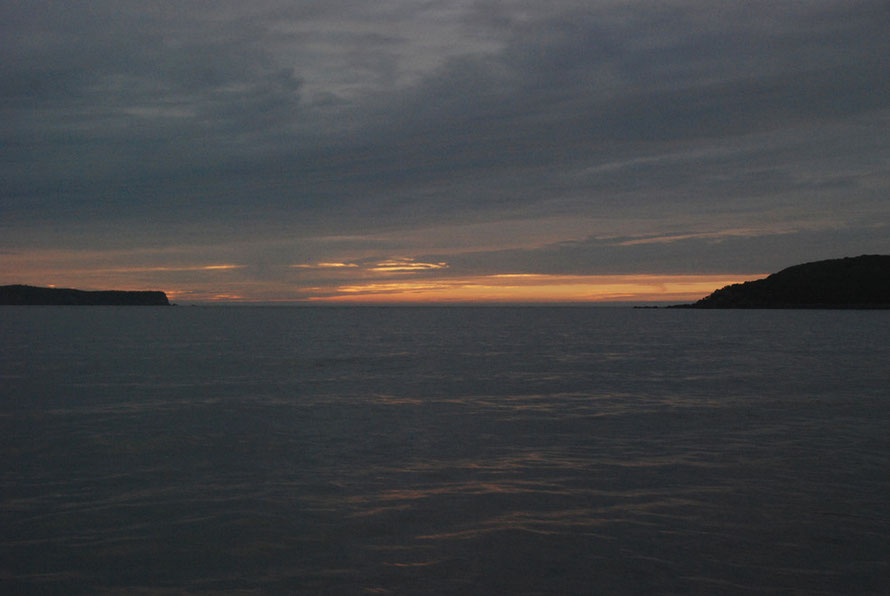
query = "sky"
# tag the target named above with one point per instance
(439, 150)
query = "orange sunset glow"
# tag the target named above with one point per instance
(534, 288)
(389, 281)
(369, 280)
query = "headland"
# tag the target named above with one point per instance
(21, 295)
(861, 282)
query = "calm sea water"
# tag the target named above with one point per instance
(443, 451)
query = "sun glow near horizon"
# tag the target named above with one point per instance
(393, 280)
(482, 289)
(532, 288)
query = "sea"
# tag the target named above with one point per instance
(443, 450)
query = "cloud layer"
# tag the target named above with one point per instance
(497, 137)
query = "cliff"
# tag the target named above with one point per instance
(30, 295)
(852, 282)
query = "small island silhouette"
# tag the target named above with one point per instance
(35, 296)
(851, 282)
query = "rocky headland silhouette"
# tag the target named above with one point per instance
(32, 295)
(850, 282)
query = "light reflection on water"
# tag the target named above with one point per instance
(443, 451)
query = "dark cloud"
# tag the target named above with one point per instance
(280, 125)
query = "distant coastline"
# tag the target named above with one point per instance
(861, 282)
(21, 295)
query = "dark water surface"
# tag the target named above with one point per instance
(443, 451)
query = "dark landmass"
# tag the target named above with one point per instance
(31, 295)
(852, 282)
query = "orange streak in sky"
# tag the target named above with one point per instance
(534, 288)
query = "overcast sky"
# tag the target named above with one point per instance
(337, 149)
